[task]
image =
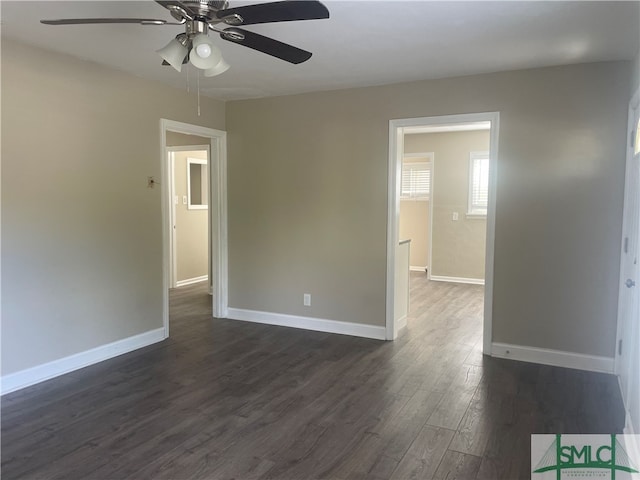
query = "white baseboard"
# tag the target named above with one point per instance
(473, 281)
(417, 269)
(40, 373)
(442, 278)
(189, 281)
(555, 358)
(308, 323)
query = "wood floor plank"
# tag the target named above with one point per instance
(457, 466)
(425, 454)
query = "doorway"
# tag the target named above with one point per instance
(213, 185)
(628, 334)
(397, 131)
(443, 200)
(189, 218)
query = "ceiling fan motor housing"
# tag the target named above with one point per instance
(204, 10)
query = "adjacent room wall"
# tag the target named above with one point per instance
(458, 248)
(175, 139)
(414, 223)
(414, 226)
(81, 232)
(308, 199)
(192, 226)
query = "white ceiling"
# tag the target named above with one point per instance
(363, 43)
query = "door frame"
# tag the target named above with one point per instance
(396, 151)
(218, 246)
(628, 225)
(173, 254)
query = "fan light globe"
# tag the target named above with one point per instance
(203, 50)
(221, 67)
(173, 54)
(205, 54)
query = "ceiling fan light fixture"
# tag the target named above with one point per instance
(221, 67)
(204, 54)
(175, 51)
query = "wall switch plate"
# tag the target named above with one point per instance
(307, 299)
(454, 216)
(184, 199)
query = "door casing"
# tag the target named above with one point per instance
(218, 246)
(396, 151)
(628, 328)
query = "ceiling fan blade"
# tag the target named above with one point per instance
(86, 21)
(267, 45)
(285, 11)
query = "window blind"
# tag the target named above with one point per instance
(416, 180)
(479, 182)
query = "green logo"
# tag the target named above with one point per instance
(585, 455)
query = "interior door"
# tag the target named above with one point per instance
(628, 348)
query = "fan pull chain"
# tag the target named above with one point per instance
(188, 90)
(198, 77)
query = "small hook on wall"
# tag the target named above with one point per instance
(151, 182)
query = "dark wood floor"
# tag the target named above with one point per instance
(223, 399)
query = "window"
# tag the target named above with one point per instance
(478, 183)
(197, 184)
(416, 180)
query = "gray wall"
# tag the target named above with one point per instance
(81, 232)
(635, 74)
(308, 199)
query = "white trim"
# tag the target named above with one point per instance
(443, 278)
(394, 177)
(396, 151)
(308, 323)
(430, 221)
(417, 269)
(190, 281)
(466, 127)
(173, 265)
(487, 336)
(40, 373)
(557, 358)
(218, 244)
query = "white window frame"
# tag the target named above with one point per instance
(427, 159)
(474, 210)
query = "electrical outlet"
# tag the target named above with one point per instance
(306, 299)
(454, 216)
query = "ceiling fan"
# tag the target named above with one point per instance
(200, 16)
